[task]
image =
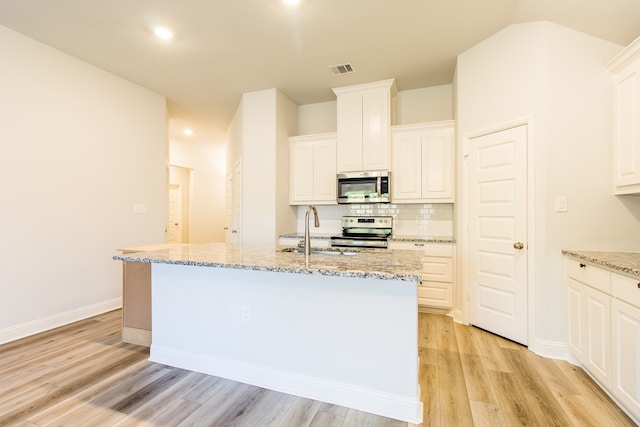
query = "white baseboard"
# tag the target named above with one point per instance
(550, 349)
(360, 398)
(459, 317)
(36, 326)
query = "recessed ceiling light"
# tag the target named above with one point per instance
(188, 132)
(163, 33)
(291, 2)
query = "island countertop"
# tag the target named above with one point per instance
(403, 265)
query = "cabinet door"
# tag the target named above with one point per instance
(375, 129)
(626, 355)
(324, 171)
(437, 282)
(301, 172)
(407, 166)
(597, 356)
(437, 166)
(576, 298)
(626, 132)
(349, 154)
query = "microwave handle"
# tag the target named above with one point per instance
(379, 185)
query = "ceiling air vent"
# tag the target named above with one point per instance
(338, 70)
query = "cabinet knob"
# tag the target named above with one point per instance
(518, 245)
(638, 285)
(582, 265)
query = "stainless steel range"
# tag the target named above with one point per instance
(364, 232)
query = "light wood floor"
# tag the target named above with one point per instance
(83, 375)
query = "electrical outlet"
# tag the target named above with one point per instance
(246, 313)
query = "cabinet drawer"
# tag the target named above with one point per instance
(431, 249)
(626, 289)
(438, 249)
(412, 246)
(589, 275)
(437, 269)
(440, 295)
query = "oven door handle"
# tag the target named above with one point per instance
(346, 242)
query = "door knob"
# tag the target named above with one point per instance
(518, 245)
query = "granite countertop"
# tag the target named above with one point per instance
(403, 265)
(422, 239)
(621, 262)
(393, 238)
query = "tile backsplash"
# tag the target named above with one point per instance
(430, 219)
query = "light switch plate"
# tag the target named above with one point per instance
(562, 204)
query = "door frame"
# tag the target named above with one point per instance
(463, 222)
(189, 196)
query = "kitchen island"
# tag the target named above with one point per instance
(339, 328)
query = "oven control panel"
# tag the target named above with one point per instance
(367, 221)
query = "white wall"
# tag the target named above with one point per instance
(258, 135)
(556, 76)
(79, 147)
(286, 126)
(208, 164)
(429, 104)
(258, 167)
(321, 117)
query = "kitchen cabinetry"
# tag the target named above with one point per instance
(312, 169)
(364, 118)
(422, 163)
(625, 68)
(625, 328)
(590, 318)
(438, 266)
(604, 329)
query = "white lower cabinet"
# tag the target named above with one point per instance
(576, 320)
(597, 358)
(436, 289)
(625, 328)
(604, 329)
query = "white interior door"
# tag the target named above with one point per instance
(236, 203)
(174, 229)
(498, 232)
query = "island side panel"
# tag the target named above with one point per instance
(136, 303)
(347, 341)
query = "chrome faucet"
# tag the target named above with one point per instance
(307, 237)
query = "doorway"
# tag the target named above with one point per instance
(233, 217)
(497, 232)
(179, 206)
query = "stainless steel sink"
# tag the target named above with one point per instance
(325, 251)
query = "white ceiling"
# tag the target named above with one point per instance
(224, 48)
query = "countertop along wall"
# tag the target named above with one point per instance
(79, 148)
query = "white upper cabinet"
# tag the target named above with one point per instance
(422, 163)
(312, 169)
(364, 119)
(626, 139)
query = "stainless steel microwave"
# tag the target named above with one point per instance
(363, 187)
